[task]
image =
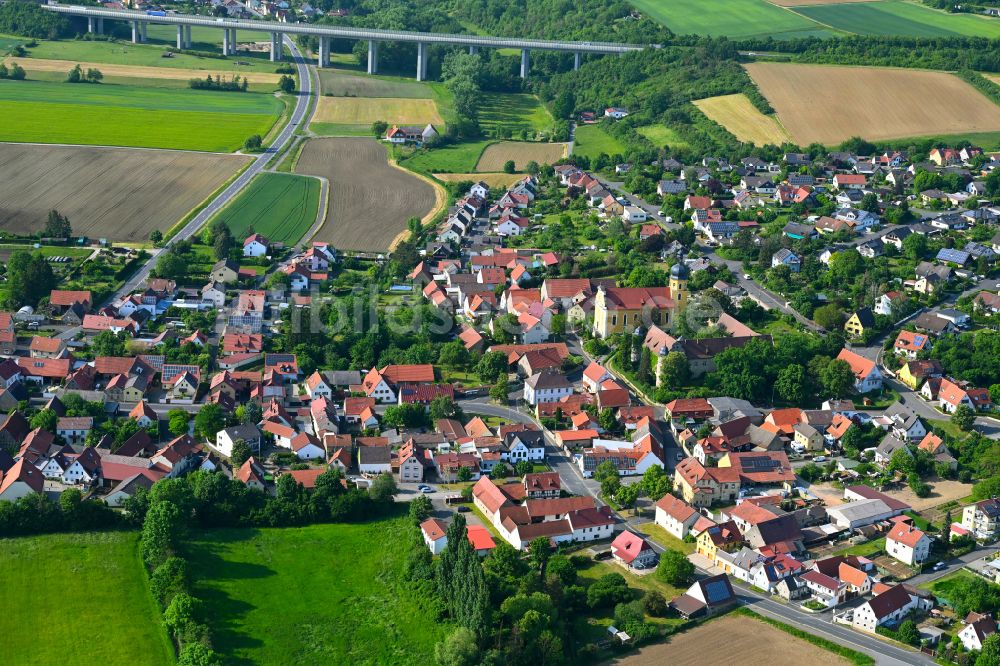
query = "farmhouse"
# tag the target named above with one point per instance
(411, 134)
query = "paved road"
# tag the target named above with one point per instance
(259, 164)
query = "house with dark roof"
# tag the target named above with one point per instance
(705, 597)
(890, 607)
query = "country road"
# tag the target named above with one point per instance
(256, 167)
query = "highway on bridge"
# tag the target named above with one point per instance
(348, 33)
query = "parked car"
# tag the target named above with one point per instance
(464, 509)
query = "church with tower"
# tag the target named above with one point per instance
(618, 309)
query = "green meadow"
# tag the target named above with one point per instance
(323, 594)
(78, 600)
(591, 140)
(123, 115)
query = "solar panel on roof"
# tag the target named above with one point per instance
(716, 591)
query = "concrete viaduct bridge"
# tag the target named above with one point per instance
(139, 20)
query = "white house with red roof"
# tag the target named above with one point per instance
(632, 551)
(435, 534)
(255, 245)
(907, 544)
(677, 517)
(951, 396)
(594, 375)
(867, 376)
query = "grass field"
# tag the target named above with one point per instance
(341, 84)
(661, 135)
(203, 38)
(453, 158)
(497, 154)
(366, 110)
(280, 206)
(743, 119)
(898, 17)
(756, 641)
(324, 594)
(591, 140)
(117, 115)
(806, 3)
(730, 18)
(117, 193)
(816, 103)
(513, 112)
(148, 55)
(492, 179)
(370, 200)
(81, 599)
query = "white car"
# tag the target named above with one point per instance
(746, 276)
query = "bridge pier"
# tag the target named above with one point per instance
(225, 41)
(372, 56)
(421, 61)
(276, 46)
(180, 37)
(232, 42)
(525, 63)
(324, 52)
(187, 36)
(91, 24)
(100, 26)
(473, 50)
(576, 61)
(135, 32)
(142, 31)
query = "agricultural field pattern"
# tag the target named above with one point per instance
(117, 193)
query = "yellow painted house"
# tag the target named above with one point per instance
(859, 322)
(618, 309)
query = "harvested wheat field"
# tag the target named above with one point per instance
(497, 154)
(366, 110)
(121, 194)
(743, 120)
(829, 103)
(492, 179)
(755, 642)
(370, 200)
(41, 65)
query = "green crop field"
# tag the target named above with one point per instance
(454, 158)
(79, 599)
(730, 18)
(591, 140)
(119, 115)
(282, 207)
(325, 594)
(896, 17)
(513, 112)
